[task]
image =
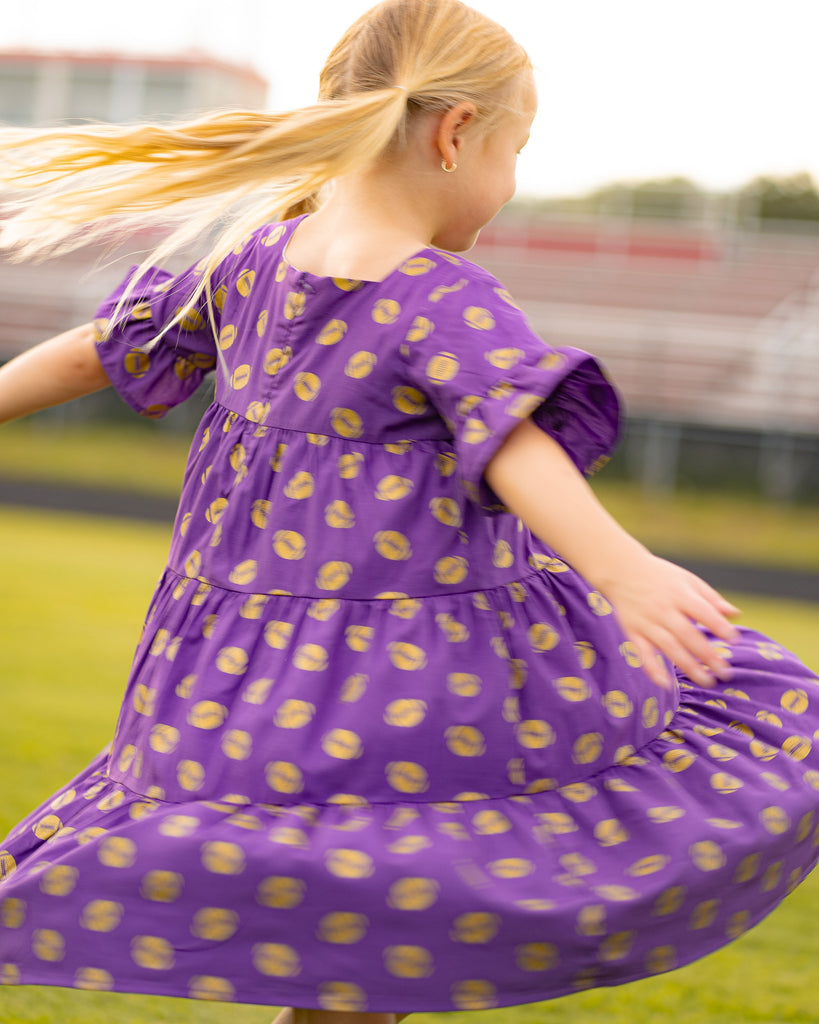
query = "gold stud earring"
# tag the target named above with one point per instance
(449, 170)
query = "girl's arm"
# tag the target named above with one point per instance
(657, 603)
(56, 371)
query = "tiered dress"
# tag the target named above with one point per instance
(380, 748)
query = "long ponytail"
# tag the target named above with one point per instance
(72, 186)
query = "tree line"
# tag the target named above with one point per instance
(792, 197)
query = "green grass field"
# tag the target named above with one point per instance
(73, 596)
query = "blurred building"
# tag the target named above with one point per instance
(40, 89)
(45, 89)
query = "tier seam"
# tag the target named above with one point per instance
(366, 803)
(328, 596)
(216, 404)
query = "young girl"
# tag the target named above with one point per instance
(413, 724)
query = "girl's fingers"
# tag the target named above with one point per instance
(666, 641)
(653, 664)
(715, 600)
(709, 608)
(717, 625)
(706, 615)
(729, 609)
(683, 643)
(674, 626)
(699, 647)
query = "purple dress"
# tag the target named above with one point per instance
(380, 749)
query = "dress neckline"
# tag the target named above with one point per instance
(350, 282)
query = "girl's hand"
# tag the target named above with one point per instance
(658, 605)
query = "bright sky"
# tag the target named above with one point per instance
(718, 90)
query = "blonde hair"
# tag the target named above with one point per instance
(243, 169)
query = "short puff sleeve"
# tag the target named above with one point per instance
(151, 373)
(483, 368)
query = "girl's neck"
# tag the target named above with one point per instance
(366, 229)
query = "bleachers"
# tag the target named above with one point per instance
(41, 299)
(721, 329)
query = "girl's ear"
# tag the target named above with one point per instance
(451, 128)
